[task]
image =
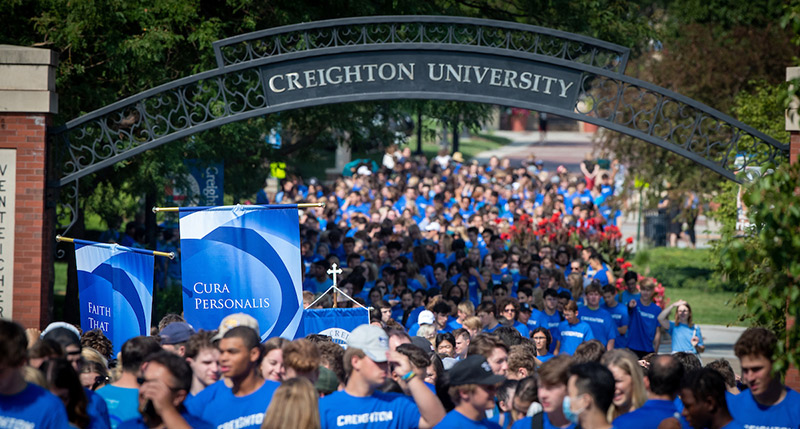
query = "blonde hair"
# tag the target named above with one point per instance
(428, 332)
(473, 323)
(33, 375)
(575, 283)
(468, 308)
(91, 355)
(647, 283)
(294, 405)
(626, 361)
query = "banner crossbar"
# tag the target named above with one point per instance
(334, 298)
(250, 206)
(170, 255)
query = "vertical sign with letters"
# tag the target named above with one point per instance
(8, 186)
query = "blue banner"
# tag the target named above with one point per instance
(336, 323)
(209, 180)
(116, 291)
(242, 259)
(204, 185)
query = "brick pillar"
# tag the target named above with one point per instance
(27, 103)
(793, 126)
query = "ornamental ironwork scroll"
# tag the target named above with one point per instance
(410, 58)
(417, 32)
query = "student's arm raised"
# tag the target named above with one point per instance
(430, 408)
(662, 317)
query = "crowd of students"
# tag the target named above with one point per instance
(468, 329)
(227, 378)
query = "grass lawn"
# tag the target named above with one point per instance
(688, 274)
(712, 308)
(468, 147)
(59, 290)
(682, 268)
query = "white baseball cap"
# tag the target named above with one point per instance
(370, 339)
(425, 317)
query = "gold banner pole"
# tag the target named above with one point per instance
(175, 209)
(170, 255)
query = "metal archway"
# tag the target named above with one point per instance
(410, 57)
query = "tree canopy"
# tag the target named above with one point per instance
(113, 49)
(711, 52)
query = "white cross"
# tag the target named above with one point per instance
(334, 271)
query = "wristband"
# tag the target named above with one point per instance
(408, 376)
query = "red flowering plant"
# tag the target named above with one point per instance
(606, 239)
(516, 111)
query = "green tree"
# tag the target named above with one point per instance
(766, 260)
(113, 49)
(700, 45)
(763, 110)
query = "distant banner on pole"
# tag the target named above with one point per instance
(204, 185)
(242, 259)
(336, 323)
(116, 291)
(209, 181)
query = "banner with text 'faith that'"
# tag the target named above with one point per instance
(116, 291)
(242, 259)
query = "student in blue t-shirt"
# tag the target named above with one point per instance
(552, 317)
(553, 377)
(766, 402)
(24, 404)
(573, 332)
(541, 341)
(590, 392)
(619, 313)
(643, 333)
(486, 312)
(368, 361)
(686, 336)
(317, 280)
(536, 318)
(165, 383)
(63, 381)
(599, 271)
(603, 326)
(243, 403)
(704, 404)
(122, 396)
(664, 377)
(509, 308)
(631, 280)
(473, 387)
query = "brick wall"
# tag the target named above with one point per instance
(33, 267)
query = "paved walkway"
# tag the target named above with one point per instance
(719, 341)
(569, 148)
(566, 148)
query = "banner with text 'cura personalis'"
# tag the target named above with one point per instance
(242, 259)
(116, 290)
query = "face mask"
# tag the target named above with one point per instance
(568, 413)
(514, 271)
